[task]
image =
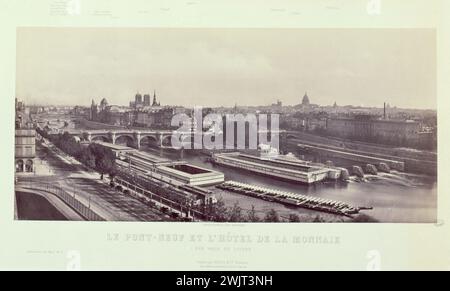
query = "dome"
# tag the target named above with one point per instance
(104, 102)
(305, 100)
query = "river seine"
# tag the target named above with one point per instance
(395, 197)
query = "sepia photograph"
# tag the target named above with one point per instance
(226, 125)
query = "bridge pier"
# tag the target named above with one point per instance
(113, 137)
(137, 136)
(160, 137)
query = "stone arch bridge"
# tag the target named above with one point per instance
(136, 137)
(161, 138)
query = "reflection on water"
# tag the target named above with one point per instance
(395, 197)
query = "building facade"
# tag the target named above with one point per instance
(138, 100)
(25, 141)
(158, 118)
(366, 128)
(25, 150)
(141, 112)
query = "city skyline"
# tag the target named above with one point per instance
(224, 67)
(98, 100)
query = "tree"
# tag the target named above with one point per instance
(318, 219)
(252, 215)
(217, 211)
(113, 173)
(105, 160)
(89, 160)
(235, 213)
(272, 216)
(294, 218)
(104, 166)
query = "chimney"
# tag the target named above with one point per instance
(384, 110)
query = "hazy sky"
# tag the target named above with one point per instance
(213, 67)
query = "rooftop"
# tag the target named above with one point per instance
(114, 146)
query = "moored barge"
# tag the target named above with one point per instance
(292, 199)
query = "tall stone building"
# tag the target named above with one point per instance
(94, 111)
(25, 141)
(372, 129)
(147, 100)
(138, 100)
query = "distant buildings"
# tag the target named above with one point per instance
(154, 100)
(388, 125)
(305, 100)
(400, 127)
(94, 111)
(306, 105)
(25, 140)
(138, 100)
(368, 128)
(110, 114)
(279, 104)
(157, 118)
(142, 103)
(140, 113)
(80, 111)
(103, 104)
(146, 100)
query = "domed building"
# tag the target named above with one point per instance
(305, 104)
(305, 100)
(103, 104)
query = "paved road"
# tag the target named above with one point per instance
(36, 207)
(89, 189)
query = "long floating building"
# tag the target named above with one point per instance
(280, 167)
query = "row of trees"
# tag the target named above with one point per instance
(218, 212)
(93, 156)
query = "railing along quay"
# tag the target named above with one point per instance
(85, 211)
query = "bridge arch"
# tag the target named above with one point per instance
(103, 138)
(150, 139)
(166, 140)
(128, 138)
(84, 136)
